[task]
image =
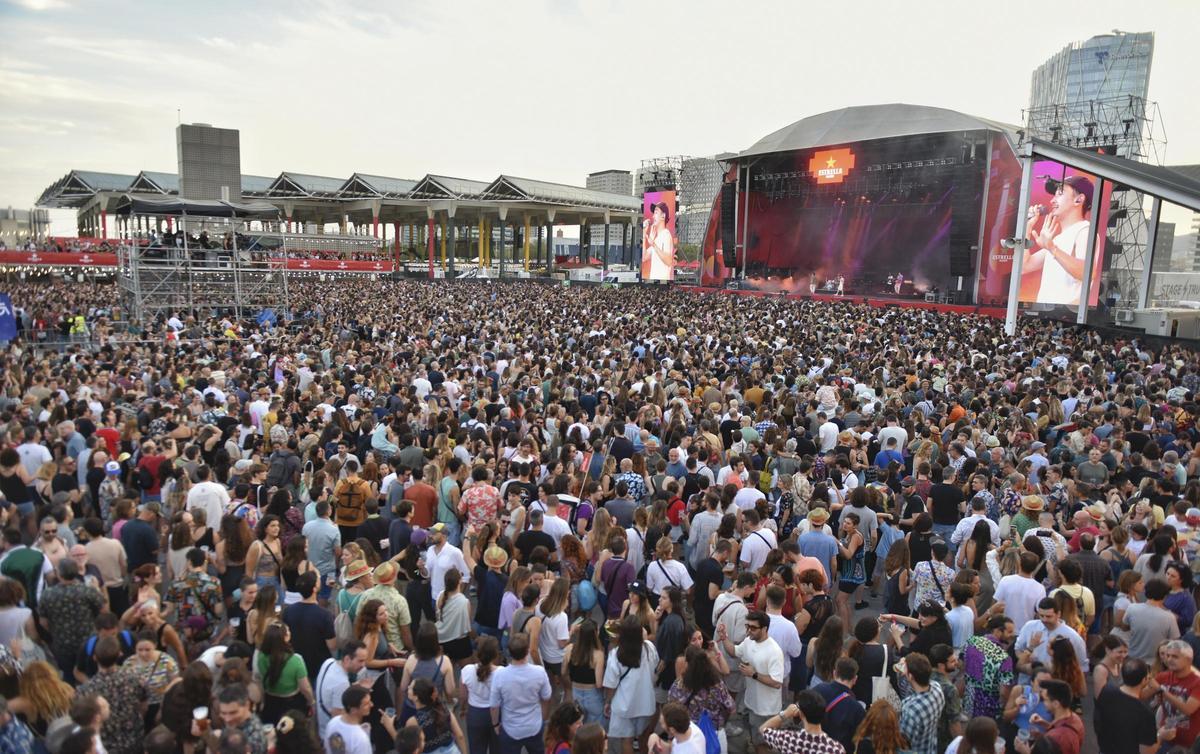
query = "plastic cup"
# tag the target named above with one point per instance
(390, 712)
(200, 715)
(235, 621)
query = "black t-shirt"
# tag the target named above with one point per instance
(946, 499)
(709, 572)
(1123, 724)
(311, 626)
(65, 482)
(375, 530)
(530, 539)
(140, 543)
(913, 506)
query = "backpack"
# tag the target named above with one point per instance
(277, 471)
(586, 596)
(125, 637)
(350, 502)
(764, 477)
(343, 624)
(143, 479)
(343, 628)
(712, 745)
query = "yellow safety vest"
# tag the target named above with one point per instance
(78, 325)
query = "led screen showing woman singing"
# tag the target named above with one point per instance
(658, 235)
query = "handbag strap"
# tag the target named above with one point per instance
(836, 701)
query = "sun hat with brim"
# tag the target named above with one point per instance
(495, 557)
(355, 571)
(1033, 503)
(818, 516)
(1096, 511)
(386, 572)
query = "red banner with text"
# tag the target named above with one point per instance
(59, 259)
(340, 265)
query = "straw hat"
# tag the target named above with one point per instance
(1033, 503)
(355, 571)
(818, 516)
(1096, 512)
(386, 572)
(495, 557)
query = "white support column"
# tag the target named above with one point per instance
(1018, 263)
(1089, 258)
(1151, 250)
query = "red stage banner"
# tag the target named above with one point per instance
(59, 259)
(339, 265)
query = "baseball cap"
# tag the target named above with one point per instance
(112, 467)
(908, 482)
(1037, 446)
(1083, 186)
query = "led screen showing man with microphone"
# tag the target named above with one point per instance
(1058, 226)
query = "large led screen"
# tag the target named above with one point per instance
(1057, 227)
(658, 235)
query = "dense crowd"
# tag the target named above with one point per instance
(484, 518)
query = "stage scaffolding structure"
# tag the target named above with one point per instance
(1126, 126)
(156, 280)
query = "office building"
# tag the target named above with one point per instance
(210, 162)
(612, 181)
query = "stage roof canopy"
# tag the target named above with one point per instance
(868, 122)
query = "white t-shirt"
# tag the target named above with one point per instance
(756, 546)
(962, 625)
(554, 631)
(556, 528)
(784, 632)
(1058, 286)
(657, 574)
(828, 434)
(479, 693)
(344, 738)
(695, 743)
(767, 659)
(748, 497)
(1020, 596)
(332, 682)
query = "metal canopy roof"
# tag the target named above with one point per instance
(526, 189)
(302, 184)
(446, 187)
(865, 123)
(79, 188)
(1165, 183)
(363, 184)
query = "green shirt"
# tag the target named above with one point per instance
(289, 680)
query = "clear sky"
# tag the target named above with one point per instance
(550, 89)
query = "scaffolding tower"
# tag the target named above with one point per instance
(156, 279)
(1126, 126)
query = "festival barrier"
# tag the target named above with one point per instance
(58, 258)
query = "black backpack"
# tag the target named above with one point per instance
(277, 471)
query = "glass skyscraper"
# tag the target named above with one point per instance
(1101, 68)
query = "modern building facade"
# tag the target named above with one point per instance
(611, 181)
(20, 226)
(1100, 68)
(210, 162)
